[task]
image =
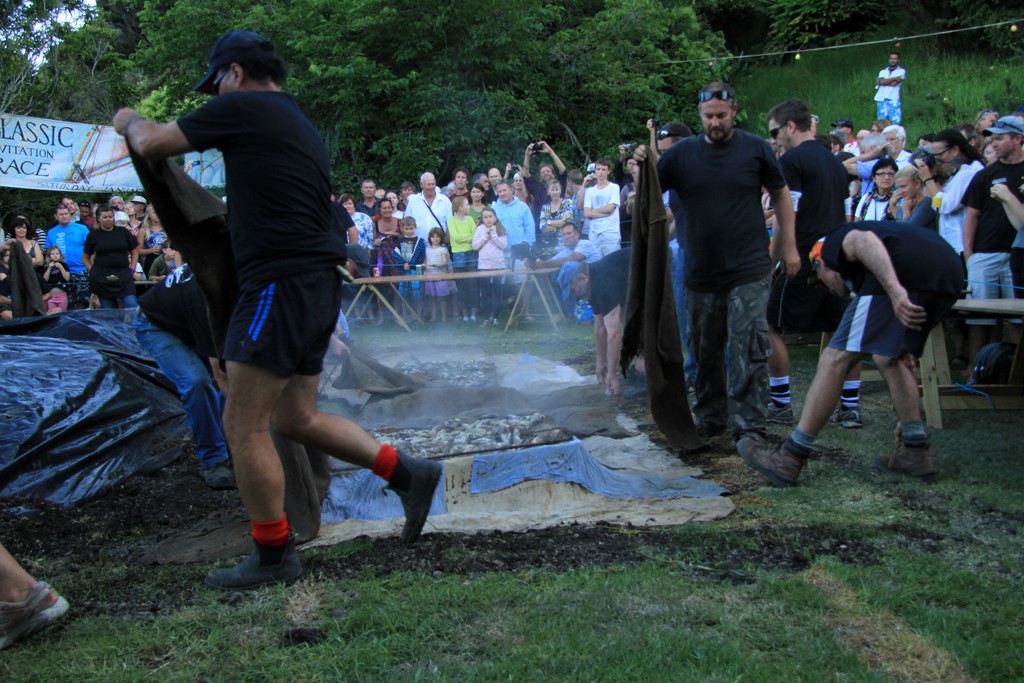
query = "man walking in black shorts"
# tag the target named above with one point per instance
(817, 186)
(290, 294)
(906, 280)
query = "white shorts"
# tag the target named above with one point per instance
(606, 242)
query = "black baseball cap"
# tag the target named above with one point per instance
(843, 123)
(234, 46)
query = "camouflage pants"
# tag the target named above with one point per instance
(728, 338)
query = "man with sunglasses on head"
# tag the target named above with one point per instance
(719, 176)
(290, 293)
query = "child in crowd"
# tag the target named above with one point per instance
(56, 274)
(411, 253)
(461, 228)
(165, 263)
(437, 262)
(490, 242)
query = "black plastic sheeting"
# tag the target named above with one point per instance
(82, 408)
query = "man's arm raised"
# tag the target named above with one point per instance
(151, 139)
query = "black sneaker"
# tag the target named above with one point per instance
(423, 477)
(250, 574)
(847, 418)
(780, 414)
(219, 477)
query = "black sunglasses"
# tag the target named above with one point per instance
(774, 132)
(723, 95)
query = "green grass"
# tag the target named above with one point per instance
(723, 601)
(941, 90)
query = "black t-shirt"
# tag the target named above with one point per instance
(278, 183)
(995, 233)
(110, 249)
(725, 241)
(820, 179)
(177, 306)
(923, 261)
(609, 281)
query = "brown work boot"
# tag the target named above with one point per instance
(779, 465)
(915, 461)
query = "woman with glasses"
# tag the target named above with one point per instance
(874, 206)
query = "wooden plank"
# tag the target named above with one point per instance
(930, 377)
(974, 402)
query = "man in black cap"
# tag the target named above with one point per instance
(290, 294)
(844, 128)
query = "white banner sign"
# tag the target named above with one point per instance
(42, 154)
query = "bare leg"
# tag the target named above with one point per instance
(902, 384)
(15, 582)
(833, 367)
(297, 417)
(252, 394)
(778, 362)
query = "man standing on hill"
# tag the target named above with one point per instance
(290, 295)
(719, 176)
(887, 90)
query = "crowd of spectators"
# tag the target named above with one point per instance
(389, 230)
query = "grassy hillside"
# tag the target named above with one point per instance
(941, 88)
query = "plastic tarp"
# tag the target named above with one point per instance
(360, 495)
(83, 408)
(570, 463)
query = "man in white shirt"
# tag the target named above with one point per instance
(887, 90)
(429, 207)
(601, 206)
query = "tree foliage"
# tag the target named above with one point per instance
(396, 89)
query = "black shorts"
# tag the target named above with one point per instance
(870, 325)
(285, 326)
(795, 306)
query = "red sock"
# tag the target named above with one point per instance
(271, 533)
(387, 461)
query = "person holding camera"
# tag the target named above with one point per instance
(955, 156)
(539, 189)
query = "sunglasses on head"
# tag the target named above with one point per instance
(723, 95)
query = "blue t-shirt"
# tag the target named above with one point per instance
(71, 240)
